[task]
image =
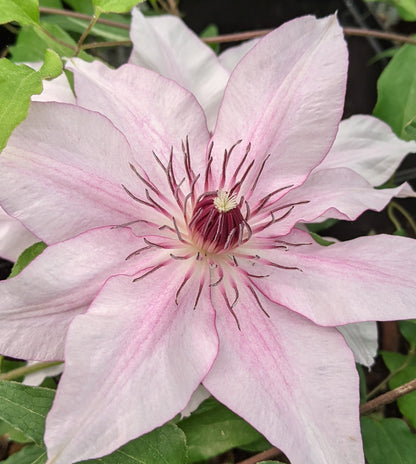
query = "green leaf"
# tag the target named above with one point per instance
(388, 441)
(99, 30)
(51, 3)
(407, 366)
(52, 66)
(12, 433)
(396, 103)
(22, 11)
(271, 462)
(318, 227)
(25, 408)
(320, 240)
(406, 9)
(27, 257)
(165, 445)
(407, 403)
(115, 6)
(28, 455)
(261, 444)
(393, 361)
(82, 6)
(213, 429)
(211, 31)
(17, 85)
(408, 330)
(32, 44)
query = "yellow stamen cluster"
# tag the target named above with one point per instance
(225, 202)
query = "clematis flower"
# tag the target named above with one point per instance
(174, 258)
(363, 143)
(14, 237)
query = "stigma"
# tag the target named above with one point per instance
(217, 224)
(225, 202)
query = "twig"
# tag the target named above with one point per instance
(365, 408)
(22, 371)
(385, 382)
(239, 36)
(86, 32)
(115, 43)
(388, 397)
(86, 17)
(395, 205)
(59, 41)
(268, 454)
(379, 35)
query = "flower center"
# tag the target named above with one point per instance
(225, 202)
(217, 223)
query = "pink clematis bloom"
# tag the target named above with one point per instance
(14, 236)
(174, 258)
(363, 143)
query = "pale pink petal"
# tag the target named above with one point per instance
(36, 378)
(154, 113)
(365, 279)
(37, 306)
(57, 89)
(62, 170)
(331, 193)
(14, 237)
(369, 147)
(166, 45)
(280, 375)
(199, 395)
(362, 338)
(133, 361)
(285, 98)
(230, 57)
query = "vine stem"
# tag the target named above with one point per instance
(365, 408)
(25, 370)
(395, 205)
(385, 382)
(84, 35)
(239, 36)
(388, 397)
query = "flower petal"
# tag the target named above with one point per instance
(366, 279)
(132, 361)
(292, 380)
(36, 378)
(57, 89)
(59, 181)
(338, 193)
(199, 395)
(37, 306)
(230, 57)
(158, 119)
(14, 237)
(166, 45)
(368, 146)
(286, 99)
(362, 338)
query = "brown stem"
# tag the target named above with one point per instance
(59, 41)
(86, 32)
(268, 454)
(86, 17)
(365, 408)
(115, 43)
(239, 36)
(388, 397)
